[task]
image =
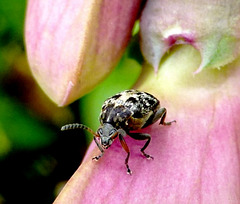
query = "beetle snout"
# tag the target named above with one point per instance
(106, 142)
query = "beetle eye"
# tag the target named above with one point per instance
(100, 131)
(112, 132)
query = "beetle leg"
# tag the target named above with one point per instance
(100, 148)
(125, 147)
(161, 113)
(142, 136)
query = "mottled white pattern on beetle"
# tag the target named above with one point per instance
(132, 108)
(143, 107)
(122, 99)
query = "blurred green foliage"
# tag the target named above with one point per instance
(19, 128)
(12, 19)
(11, 31)
(31, 157)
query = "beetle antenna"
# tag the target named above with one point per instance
(78, 126)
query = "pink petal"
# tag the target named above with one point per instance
(196, 160)
(210, 26)
(72, 45)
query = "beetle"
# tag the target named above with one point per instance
(121, 114)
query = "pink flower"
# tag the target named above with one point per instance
(210, 26)
(196, 160)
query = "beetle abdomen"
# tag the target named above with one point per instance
(129, 109)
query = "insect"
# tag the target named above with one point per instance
(121, 114)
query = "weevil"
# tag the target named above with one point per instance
(121, 114)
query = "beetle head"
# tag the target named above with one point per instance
(107, 134)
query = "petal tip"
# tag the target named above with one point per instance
(65, 99)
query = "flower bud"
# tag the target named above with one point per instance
(72, 45)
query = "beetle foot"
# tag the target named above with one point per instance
(97, 158)
(169, 123)
(129, 170)
(147, 155)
